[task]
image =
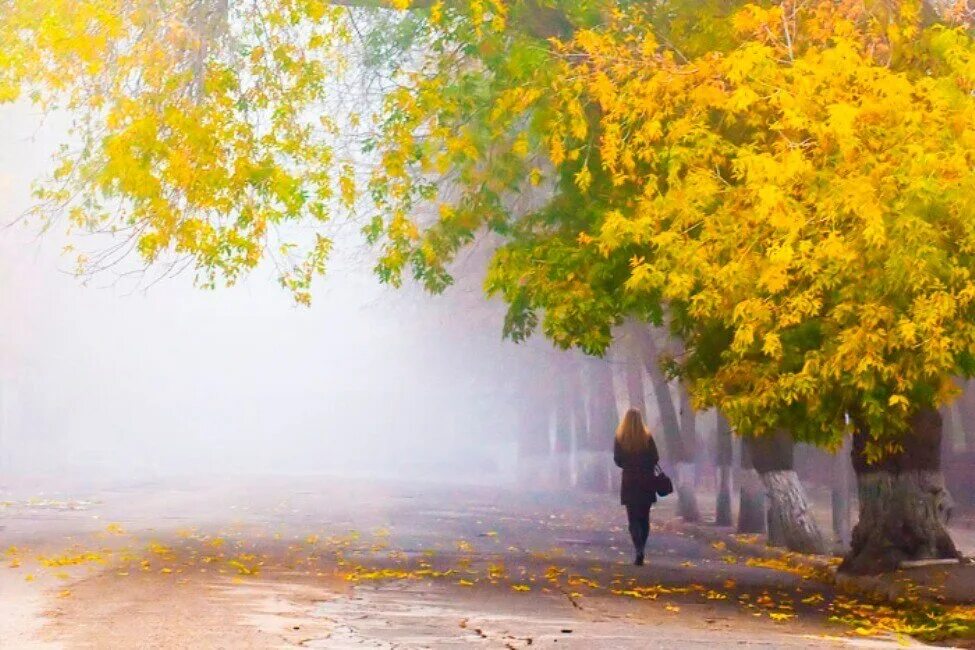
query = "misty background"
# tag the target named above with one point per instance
(117, 380)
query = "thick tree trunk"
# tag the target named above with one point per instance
(723, 457)
(904, 504)
(841, 490)
(678, 454)
(790, 519)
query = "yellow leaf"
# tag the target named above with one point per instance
(583, 179)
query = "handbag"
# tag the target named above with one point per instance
(662, 484)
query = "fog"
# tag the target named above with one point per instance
(117, 379)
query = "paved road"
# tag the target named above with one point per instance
(316, 562)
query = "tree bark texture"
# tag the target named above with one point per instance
(791, 523)
(790, 520)
(904, 504)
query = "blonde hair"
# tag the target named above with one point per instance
(632, 434)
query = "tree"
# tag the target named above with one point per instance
(596, 471)
(796, 201)
(790, 521)
(904, 505)
(675, 429)
(752, 516)
(840, 493)
(787, 182)
(724, 453)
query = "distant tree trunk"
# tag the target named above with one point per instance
(634, 384)
(564, 409)
(580, 420)
(904, 504)
(677, 452)
(751, 505)
(540, 400)
(790, 519)
(534, 447)
(686, 470)
(953, 430)
(966, 410)
(596, 465)
(841, 489)
(724, 451)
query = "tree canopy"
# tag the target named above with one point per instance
(787, 182)
(793, 193)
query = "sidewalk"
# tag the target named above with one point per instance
(949, 584)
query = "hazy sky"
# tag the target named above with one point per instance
(101, 378)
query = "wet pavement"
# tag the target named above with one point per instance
(385, 564)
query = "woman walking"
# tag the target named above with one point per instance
(635, 451)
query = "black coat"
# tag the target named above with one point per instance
(638, 470)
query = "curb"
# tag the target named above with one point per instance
(936, 586)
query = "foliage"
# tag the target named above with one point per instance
(787, 182)
(797, 201)
(196, 129)
(919, 618)
(794, 194)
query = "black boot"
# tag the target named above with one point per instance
(639, 559)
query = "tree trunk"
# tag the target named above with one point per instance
(534, 445)
(790, 519)
(595, 462)
(685, 483)
(678, 453)
(904, 504)
(966, 409)
(723, 457)
(634, 384)
(952, 430)
(751, 499)
(841, 490)
(564, 408)
(645, 348)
